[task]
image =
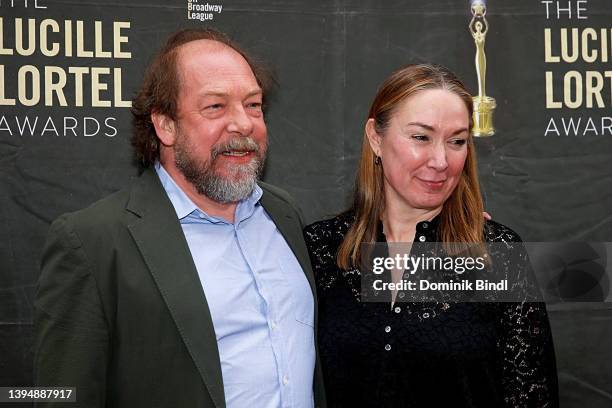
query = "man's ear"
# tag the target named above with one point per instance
(373, 137)
(165, 128)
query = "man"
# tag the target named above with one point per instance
(193, 288)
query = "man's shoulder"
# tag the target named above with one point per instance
(275, 198)
(116, 206)
(276, 192)
(95, 219)
(107, 207)
(107, 213)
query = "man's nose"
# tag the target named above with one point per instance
(239, 121)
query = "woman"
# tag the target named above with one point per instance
(417, 182)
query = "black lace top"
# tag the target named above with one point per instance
(426, 354)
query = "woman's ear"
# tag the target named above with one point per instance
(373, 137)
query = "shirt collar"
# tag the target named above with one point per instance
(428, 228)
(183, 206)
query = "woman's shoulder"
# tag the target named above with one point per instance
(497, 232)
(331, 229)
(323, 238)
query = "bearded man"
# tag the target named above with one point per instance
(193, 287)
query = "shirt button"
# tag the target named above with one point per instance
(387, 329)
(201, 215)
(422, 238)
(387, 347)
(397, 309)
(425, 225)
(273, 325)
(285, 380)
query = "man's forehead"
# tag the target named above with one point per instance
(205, 58)
(203, 45)
(221, 92)
(209, 54)
(209, 68)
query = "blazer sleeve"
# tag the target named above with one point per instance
(72, 346)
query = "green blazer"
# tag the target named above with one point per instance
(120, 313)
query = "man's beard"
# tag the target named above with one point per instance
(238, 181)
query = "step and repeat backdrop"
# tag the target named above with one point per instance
(69, 69)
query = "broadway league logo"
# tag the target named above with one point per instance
(202, 11)
(572, 272)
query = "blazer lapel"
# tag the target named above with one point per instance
(291, 229)
(161, 241)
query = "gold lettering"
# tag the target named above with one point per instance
(3, 51)
(567, 92)
(78, 83)
(608, 74)
(594, 86)
(97, 86)
(3, 99)
(68, 38)
(52, 87)
(604, 45)
(119, 39)
(44, 41)
(548, 57)
(98, 41)
(21, 85)
(117, 80)
(80, 41)
(567, 57)
(19, 37)
(550, 102)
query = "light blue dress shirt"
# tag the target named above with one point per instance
(259, 299)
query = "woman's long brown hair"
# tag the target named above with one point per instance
(460, 220)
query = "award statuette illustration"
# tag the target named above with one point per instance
(483, 105)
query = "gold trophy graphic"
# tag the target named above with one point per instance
(483, 105)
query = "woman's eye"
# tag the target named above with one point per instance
(459, 142)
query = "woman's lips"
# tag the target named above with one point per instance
(433, 184)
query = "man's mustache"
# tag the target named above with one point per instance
(242, 144)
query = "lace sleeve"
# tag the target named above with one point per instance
(529, 369)
(318, 241)
(530, 375)
(322, 240)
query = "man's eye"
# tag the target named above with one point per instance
(254, 105)
(215, 106)
(420, 138)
